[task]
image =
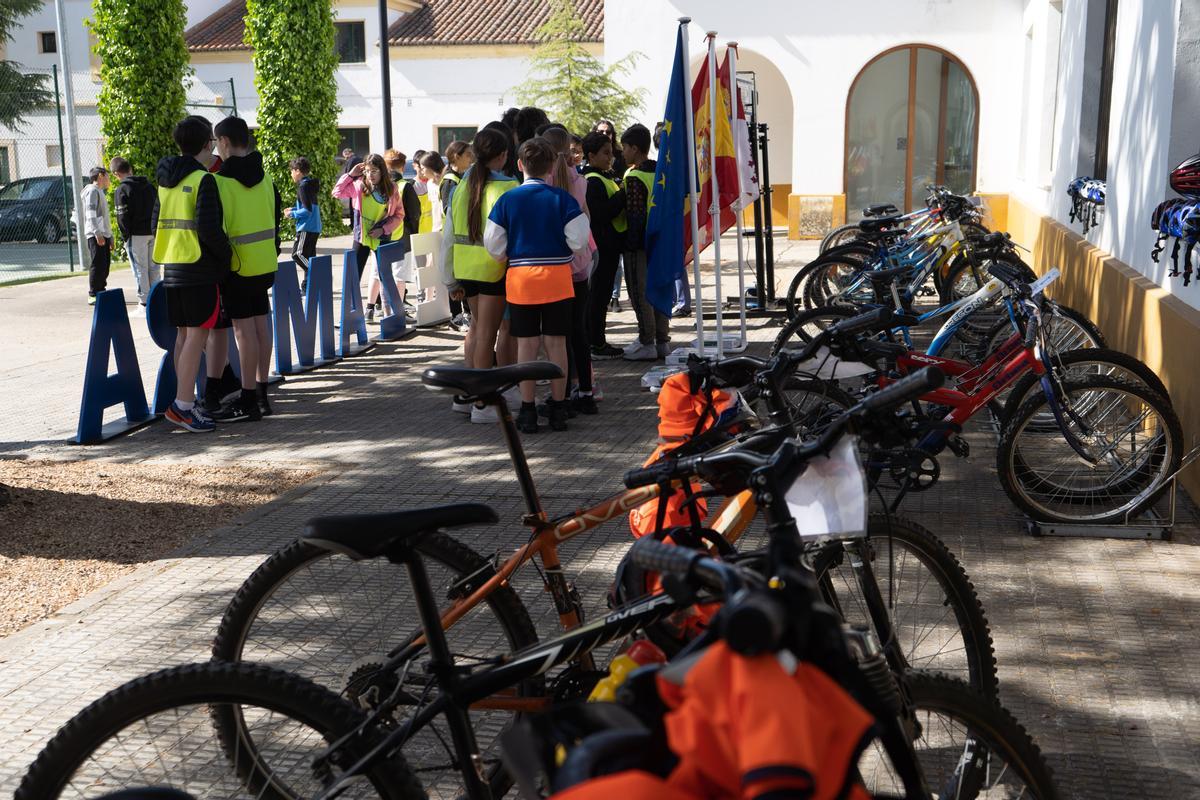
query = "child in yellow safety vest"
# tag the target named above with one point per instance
(459, 158)
(468, 269)
(373, 195)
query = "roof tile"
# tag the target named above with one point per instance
(224, 29)
(487, 22)
(437, 22)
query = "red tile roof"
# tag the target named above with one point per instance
(487, 22)
(224, 29)
(436, 22)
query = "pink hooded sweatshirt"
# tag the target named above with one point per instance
(581, 267)
(353, 189)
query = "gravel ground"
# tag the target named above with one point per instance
(70, 527)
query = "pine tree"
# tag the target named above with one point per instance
(19, 92)
(571, 84)
(295, 68)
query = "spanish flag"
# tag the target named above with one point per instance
(715, 150)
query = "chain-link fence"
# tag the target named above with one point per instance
(38, 228)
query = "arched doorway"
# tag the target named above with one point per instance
(912, 119)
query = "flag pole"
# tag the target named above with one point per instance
(697, 305)
(715, 209)
(731, 54)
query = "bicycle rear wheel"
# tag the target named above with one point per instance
(935, 615)
(1133, 439)
(967, 746)
(156, 731)
(335, 621)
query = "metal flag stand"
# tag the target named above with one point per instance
(1149, 524)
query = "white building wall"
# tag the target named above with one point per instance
(1141, 119)
(819, 47)
(27, 145)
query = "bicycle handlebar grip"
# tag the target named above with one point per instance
(872, 320)
(754, 623)
(905, 389)
(648, 476)
(667, 559)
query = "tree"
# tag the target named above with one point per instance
(295, 68)
(143, 65)
(571, 84)
(19, 92)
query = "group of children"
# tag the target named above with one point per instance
(535, 233)
(537, 225)
(211, 226)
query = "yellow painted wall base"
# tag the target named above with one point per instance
(1136, 316)
(811, 216)
(997, 208)
(780, 194)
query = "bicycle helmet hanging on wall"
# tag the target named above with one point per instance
(1087, 197)
(1185, 178)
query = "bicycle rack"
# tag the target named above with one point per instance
(1149, 524)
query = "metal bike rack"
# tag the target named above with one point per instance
(1149, 524)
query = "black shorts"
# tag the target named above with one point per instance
(545, 319)
(247, 297)
(488, 288)
(193, 306)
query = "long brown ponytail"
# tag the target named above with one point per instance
(487, 144)
(560, 140)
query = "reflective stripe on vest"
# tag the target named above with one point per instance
(175, 241)
(619, 223)
(471, 260)
(373, 212)
(249, 214)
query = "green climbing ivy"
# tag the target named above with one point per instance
(294, 74)
(143, 66)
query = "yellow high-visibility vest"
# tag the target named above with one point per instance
(619, 223)
(471, 259)
(175, 239)
(249, 215)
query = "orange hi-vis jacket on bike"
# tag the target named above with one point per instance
(682, 414)
(750, 728)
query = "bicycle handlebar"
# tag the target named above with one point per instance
(908, 388)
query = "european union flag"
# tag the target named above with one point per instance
(665, 215)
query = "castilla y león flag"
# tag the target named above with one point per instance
(715, 150)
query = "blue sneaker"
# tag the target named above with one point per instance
(189, 420)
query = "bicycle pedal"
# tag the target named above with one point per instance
(959, 446)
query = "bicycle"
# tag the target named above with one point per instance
(975, 748)
(294, 732)
(331, 612)
(1094, 450)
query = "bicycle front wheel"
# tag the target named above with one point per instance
(336, 621)
(1131, 437)
(966, 745)
(156, 731)
(935, 616)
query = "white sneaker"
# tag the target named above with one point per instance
(643, 352)
(513, 398)
(484, 415)
(664, 349)
(629, 348)
(460, 408)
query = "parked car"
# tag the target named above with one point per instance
(34, 208)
